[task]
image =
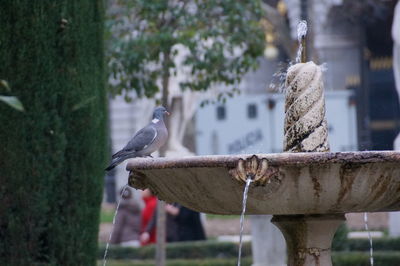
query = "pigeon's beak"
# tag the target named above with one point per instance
(167, 113)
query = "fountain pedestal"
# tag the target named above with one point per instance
(308, 237)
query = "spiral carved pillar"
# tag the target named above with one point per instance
(305, 125)
(308, 237)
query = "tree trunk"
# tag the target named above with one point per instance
(52, 155)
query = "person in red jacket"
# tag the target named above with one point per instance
(148, 236)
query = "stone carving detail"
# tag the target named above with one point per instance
(136, 180)
(255, 168)
(305, 126)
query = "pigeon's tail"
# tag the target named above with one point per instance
(118, 160)
(117, 154)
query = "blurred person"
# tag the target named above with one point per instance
(127, 221)
(171, 227)
(148, 228)
(188, 222)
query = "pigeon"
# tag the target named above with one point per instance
(145, 141)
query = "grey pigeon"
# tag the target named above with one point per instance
(145, 141)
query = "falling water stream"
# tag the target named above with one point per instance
(371, 250)
(301, 34)
(113, 223)
(246, 190)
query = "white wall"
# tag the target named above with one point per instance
(216, 136)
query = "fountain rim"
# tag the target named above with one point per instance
(274, 159)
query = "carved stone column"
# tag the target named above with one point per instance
(308, 237)
(305, 126)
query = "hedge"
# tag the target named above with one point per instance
(363, 258)
(184, 250)
(342, 243)
(53, 154)
(338, 259)
(181, 262)
(383, 244)
(207, 251)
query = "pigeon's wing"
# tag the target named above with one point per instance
(142, 139)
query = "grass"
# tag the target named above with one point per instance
(218, 216)
(106, 215)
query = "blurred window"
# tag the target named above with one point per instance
(252, 111)
(221, 113)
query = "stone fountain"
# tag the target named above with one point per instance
(307, 189)
(308, 193)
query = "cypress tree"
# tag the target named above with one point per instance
(52, 155)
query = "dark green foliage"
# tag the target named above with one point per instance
(342, 243)
(362, 258)
(52, 155)
(340, 240)
(223, 253)
(378, 244)
(338, 259)
(218, 41)
(184, 250)
(182, 262)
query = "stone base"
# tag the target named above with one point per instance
(308, 237)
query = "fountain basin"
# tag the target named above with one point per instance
(292, 183)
